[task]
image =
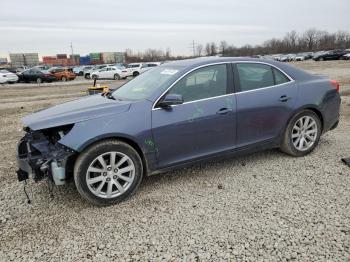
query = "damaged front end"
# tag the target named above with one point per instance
(40, 155)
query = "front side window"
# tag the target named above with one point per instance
(254, 76)
(210, 81)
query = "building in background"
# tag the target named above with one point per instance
(3, 60)
(24, 59)
(113, 57)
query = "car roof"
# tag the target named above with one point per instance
(189, 64)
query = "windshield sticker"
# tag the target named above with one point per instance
(169, 72)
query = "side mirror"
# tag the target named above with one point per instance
(171, 99)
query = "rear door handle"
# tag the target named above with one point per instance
(284, 98)
(224, 111)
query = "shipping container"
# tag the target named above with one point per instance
(120, 57)
(96, 62)
(3, 60)
(74, 59)
(84, 60)
(109, 57)
(48, 59)
(113, 57)
(24, 59)
(62, 56)
(95, 56)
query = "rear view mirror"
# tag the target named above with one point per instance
(171, 99)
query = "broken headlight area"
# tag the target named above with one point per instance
(40, 155)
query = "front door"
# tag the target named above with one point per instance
(204, 124)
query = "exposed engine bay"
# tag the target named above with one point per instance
(40, 155)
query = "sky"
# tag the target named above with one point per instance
(49, 27)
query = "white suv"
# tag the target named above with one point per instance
(134, 69)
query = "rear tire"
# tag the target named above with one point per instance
(64, 78)
(302, 134)
(116, 77)
(39, 80)
(108, 183)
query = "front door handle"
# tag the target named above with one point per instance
(224, 111)
(284, 98)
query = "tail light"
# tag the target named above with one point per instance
(124, 71)
(335, 84)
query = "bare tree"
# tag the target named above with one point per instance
(213, 49)
(310, 40)
(167, 53)
(199, 49)
(207, 49)
(223, 47)
(310, 37)
(291, 39)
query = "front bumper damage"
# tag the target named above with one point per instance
(39, 156)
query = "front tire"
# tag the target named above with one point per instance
(39, 80)
(302, 134)
(108, 172)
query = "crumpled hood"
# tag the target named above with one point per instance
(75, 111)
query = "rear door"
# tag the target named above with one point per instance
(265, 100)
(204, 124)
(111, 72)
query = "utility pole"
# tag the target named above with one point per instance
(193, 47)
(71, 48)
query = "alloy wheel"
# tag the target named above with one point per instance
(304, 133)
(110, 174)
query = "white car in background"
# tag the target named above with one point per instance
(110, 72)
(89, 69)
(7, 77)
(346, 57)
(299, 57)
(134, 69)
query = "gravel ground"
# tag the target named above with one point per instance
(263, 207)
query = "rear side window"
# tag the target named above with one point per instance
(280, 78)
(254, 76)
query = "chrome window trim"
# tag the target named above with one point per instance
(198, 67)
(291, 80)
(220, 63)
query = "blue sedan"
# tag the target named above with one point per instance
(175, 115)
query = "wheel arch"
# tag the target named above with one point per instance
(126, 139)
(312, 108)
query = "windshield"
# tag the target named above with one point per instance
(145, 84)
